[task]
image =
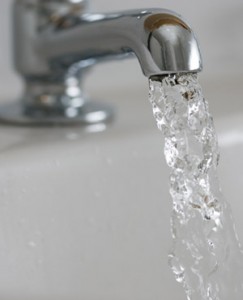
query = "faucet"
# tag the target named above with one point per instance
(57, 41)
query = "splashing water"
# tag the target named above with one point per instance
(206, 256)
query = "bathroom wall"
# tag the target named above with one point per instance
(218, 25)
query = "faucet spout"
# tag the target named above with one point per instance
(161, 40)
(55, 41)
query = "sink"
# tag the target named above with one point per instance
(85, 212)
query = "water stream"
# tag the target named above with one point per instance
(206, 256)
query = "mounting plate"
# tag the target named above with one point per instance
(90, 113)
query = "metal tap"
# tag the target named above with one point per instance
(57, 41)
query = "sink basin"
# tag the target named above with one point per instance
(85, 212)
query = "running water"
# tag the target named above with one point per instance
(206, 256)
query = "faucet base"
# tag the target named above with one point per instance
(90, 113)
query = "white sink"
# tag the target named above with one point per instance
(84, 214)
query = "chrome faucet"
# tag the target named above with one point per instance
(57, 41)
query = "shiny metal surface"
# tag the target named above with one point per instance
(56, 41)
(91, 113)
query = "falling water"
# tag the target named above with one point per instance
(206, 256)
